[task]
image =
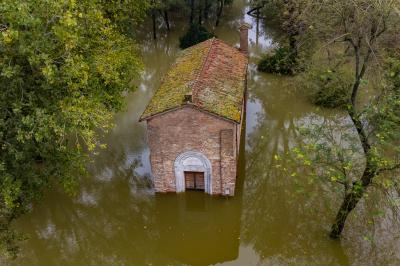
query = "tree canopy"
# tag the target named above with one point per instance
(63, 68)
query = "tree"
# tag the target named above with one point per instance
(359, 151)
(63, 68)
(126, 14)
(294, 45)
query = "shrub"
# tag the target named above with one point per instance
(282, 61)
(393, 67)
(195, 34)
(328, 88)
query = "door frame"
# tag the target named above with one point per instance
(192, 161)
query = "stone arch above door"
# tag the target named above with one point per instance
(192, 161)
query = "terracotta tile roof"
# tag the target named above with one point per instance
(213, 72)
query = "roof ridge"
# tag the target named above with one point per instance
(196, 81)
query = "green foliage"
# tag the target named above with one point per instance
(294, 34)
(63, 68)
(126, 14)
(394, 70)
(384, 116)
(322, 152)
(195, 34)
(327, 88)
(282, 61)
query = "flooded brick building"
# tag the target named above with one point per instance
(194, 119)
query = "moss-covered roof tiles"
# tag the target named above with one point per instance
(212, 72)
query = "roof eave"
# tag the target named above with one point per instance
(145, 118)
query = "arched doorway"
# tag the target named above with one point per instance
(192, 162)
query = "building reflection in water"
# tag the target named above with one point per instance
(198, 229)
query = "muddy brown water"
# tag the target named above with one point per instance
(274, 219)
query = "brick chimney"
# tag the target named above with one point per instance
(244, 37)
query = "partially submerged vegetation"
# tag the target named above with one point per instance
(280, 61)
(359, 37)
(328, 88)
(195, 34)
(295, 40)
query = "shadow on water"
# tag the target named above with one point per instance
(274, 219)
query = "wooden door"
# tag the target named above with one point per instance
(194, 180)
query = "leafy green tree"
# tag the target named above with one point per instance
(126, 14)
(63, 68)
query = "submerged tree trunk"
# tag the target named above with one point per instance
(166, 19)
(206, 9)
(359, 187)
(154, 18)
(257, 25)
(292, 27)
(191, 11)
(200, 16)
(351, 200)
(219, 13)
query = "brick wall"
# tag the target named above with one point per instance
(188, 129)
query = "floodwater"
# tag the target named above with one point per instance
(274, 219)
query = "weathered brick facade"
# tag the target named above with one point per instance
(189, 129)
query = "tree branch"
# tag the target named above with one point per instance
(392, 168)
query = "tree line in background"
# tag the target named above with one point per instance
(345, 55)
(64, 67)
(163, 13)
